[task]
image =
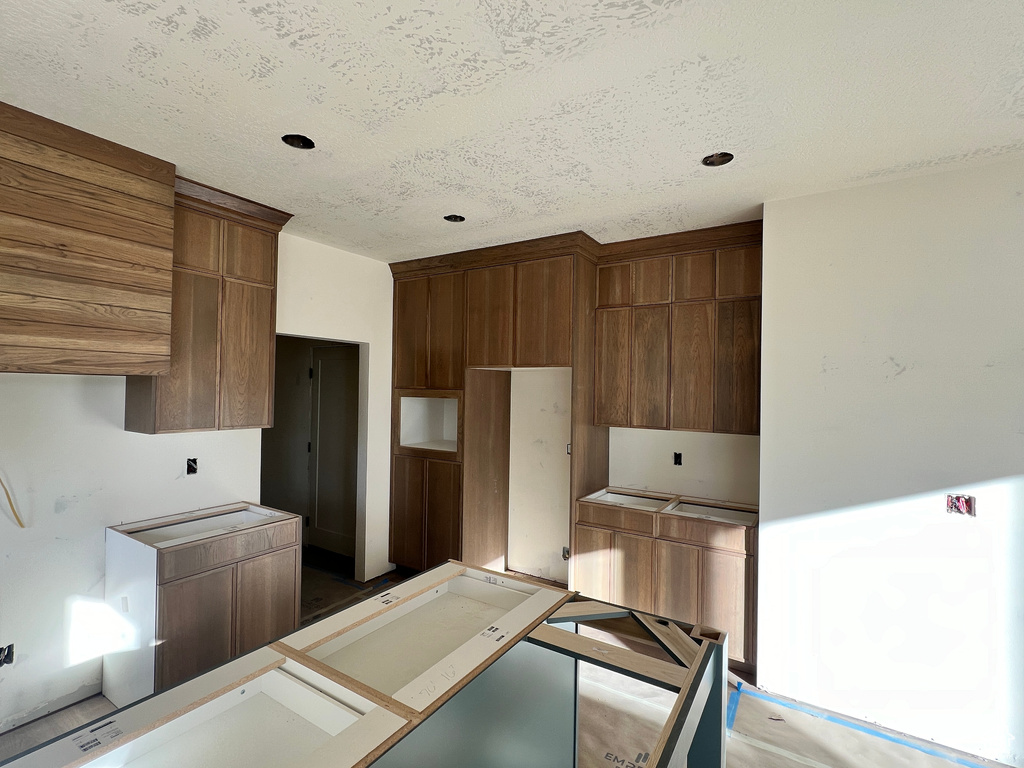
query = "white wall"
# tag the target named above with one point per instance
(73, 471)
(326, 293)
(538, 488)
(893, 372)
(720, 467)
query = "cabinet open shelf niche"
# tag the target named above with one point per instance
(430, 423)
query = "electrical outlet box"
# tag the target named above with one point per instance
(191, 466)
(677, 459)
(7, 654)
(565, 553)
(959, 504)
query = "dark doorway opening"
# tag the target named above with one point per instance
(310, 457)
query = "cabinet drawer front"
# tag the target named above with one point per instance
(204, 555)
(718, 535)
(617, 517)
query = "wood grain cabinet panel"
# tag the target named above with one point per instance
(650, 361)
(738, 374)
(195, 622)
(490, 310)
(677, 570)
(187, 396)
(614, 285)
(443, 539)
(446, 334)
(86, 238)
(222, 346)
(621, 518)
(693, 276)
(267, 604)
(693, 366)
(250, 253)
(592, 562)
(632, 572)
(739, 272)
(724, 601)
(411, 297)
(652, 281)
(408, 497)
(196, 240)
(611, 380)
(246, 367)
(544, 312)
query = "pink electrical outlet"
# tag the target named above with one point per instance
(961, 505)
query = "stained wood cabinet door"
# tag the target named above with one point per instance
(408, 497)
(632, 572)
(739, 272)
(250, 253)
(737, 374)
(724, 597)
(187, 396)
(446, 331)
(652, 281)
(614, 285)
(693, 366)
(195, 625)
(443, 508)
(649, 371)
(693, 276)
(544, 312)
(246, 362)
(490, 310)
(411, 332)
(266, 603)
(196, 240)
(592, 562)
(611, 384)
(677, 570)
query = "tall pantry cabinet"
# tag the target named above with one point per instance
(462, 323)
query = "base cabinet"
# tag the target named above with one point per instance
(683, 568)
(426, 512)
(198, 589)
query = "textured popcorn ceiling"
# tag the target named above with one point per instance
(529, 117)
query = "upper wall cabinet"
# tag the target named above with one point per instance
(520, 314)
(429, 332)
(544, 312)
(86, 230)
(679, 342)
(222, 330)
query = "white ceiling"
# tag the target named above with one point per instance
(528, 117)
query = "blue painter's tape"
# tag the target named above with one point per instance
(730, 712)
(928, 750)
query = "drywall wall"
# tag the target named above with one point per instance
(892, 372)
(538, 489)
(73, 471)
(721, 467)
(326, 293)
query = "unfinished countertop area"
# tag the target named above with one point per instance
(727, 512)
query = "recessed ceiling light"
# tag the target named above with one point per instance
(718, 158)
(454, 217)
(298, 141)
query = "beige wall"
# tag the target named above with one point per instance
(721, 467)
(893, 373)
(326, 293)
(73, 471)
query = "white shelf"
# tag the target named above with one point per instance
(429, 423)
